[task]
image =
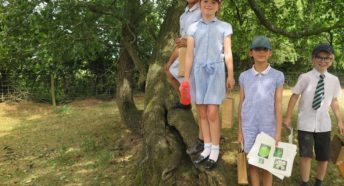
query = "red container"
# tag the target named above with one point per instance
(185, 97)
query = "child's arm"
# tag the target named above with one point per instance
(278, 111)
(189, 57)
(229, 61)
(292, 101)
(336, 111)
(181, 42)
(241, 99)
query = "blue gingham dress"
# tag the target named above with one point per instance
(258, 108)
(189, 16)
(207, 76)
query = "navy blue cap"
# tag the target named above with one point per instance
(260, 42)
(322, 48)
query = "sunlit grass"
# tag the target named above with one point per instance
(74, 144)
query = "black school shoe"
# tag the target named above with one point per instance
(178, 105)
(197, 147)
(200, 159)
(210, 164)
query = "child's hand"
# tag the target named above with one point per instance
(287, 122)
(230, 82)
(340, 128)
(181, 42)
(277, 138)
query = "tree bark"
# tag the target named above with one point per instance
(130, 115)
(52, 89)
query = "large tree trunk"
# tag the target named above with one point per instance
(128, 60)
(130, 115)
(168, 132)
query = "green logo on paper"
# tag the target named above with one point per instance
(264, 151)
(278, 152)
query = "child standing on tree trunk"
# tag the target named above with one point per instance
(319, 91)
(191, 14)
(208, 46)
(260, 106)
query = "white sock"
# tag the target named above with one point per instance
(215, 151)
(207, 149)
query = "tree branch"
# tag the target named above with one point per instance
(238, 13)
(96, 9)
(136, 59)
(261, 17)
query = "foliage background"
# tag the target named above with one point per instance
(79, 42)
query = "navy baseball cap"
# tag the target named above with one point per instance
(260, 42)
(322, 48)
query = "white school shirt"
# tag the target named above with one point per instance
(315, 120)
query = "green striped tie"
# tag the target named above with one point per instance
(319, 93)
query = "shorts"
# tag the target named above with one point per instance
(174, 69)
(319, 141)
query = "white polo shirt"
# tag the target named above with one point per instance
(315, 120)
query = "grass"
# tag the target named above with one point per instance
(84, 143)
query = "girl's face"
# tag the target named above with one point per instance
(260, 55)
(209, 7)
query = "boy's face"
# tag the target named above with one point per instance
(260, 55)
(322, 61)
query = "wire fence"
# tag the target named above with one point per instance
(37, 88)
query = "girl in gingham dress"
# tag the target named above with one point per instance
(260, 107)
(208, 46)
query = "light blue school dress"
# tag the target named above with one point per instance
(189, 16)
(258, 108)
(207, 75)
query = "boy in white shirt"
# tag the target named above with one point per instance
(319, 91)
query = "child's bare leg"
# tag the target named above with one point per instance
(204, 122)
(200, 133)
(214, 122)
(321, 169)
(305, 168)
(175, 83)
(202, 111)
(267, 178)
(254, 175)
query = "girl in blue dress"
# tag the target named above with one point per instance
(191, 14)
(208, 47)
(260, 107)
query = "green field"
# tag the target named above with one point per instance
(84, 143)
